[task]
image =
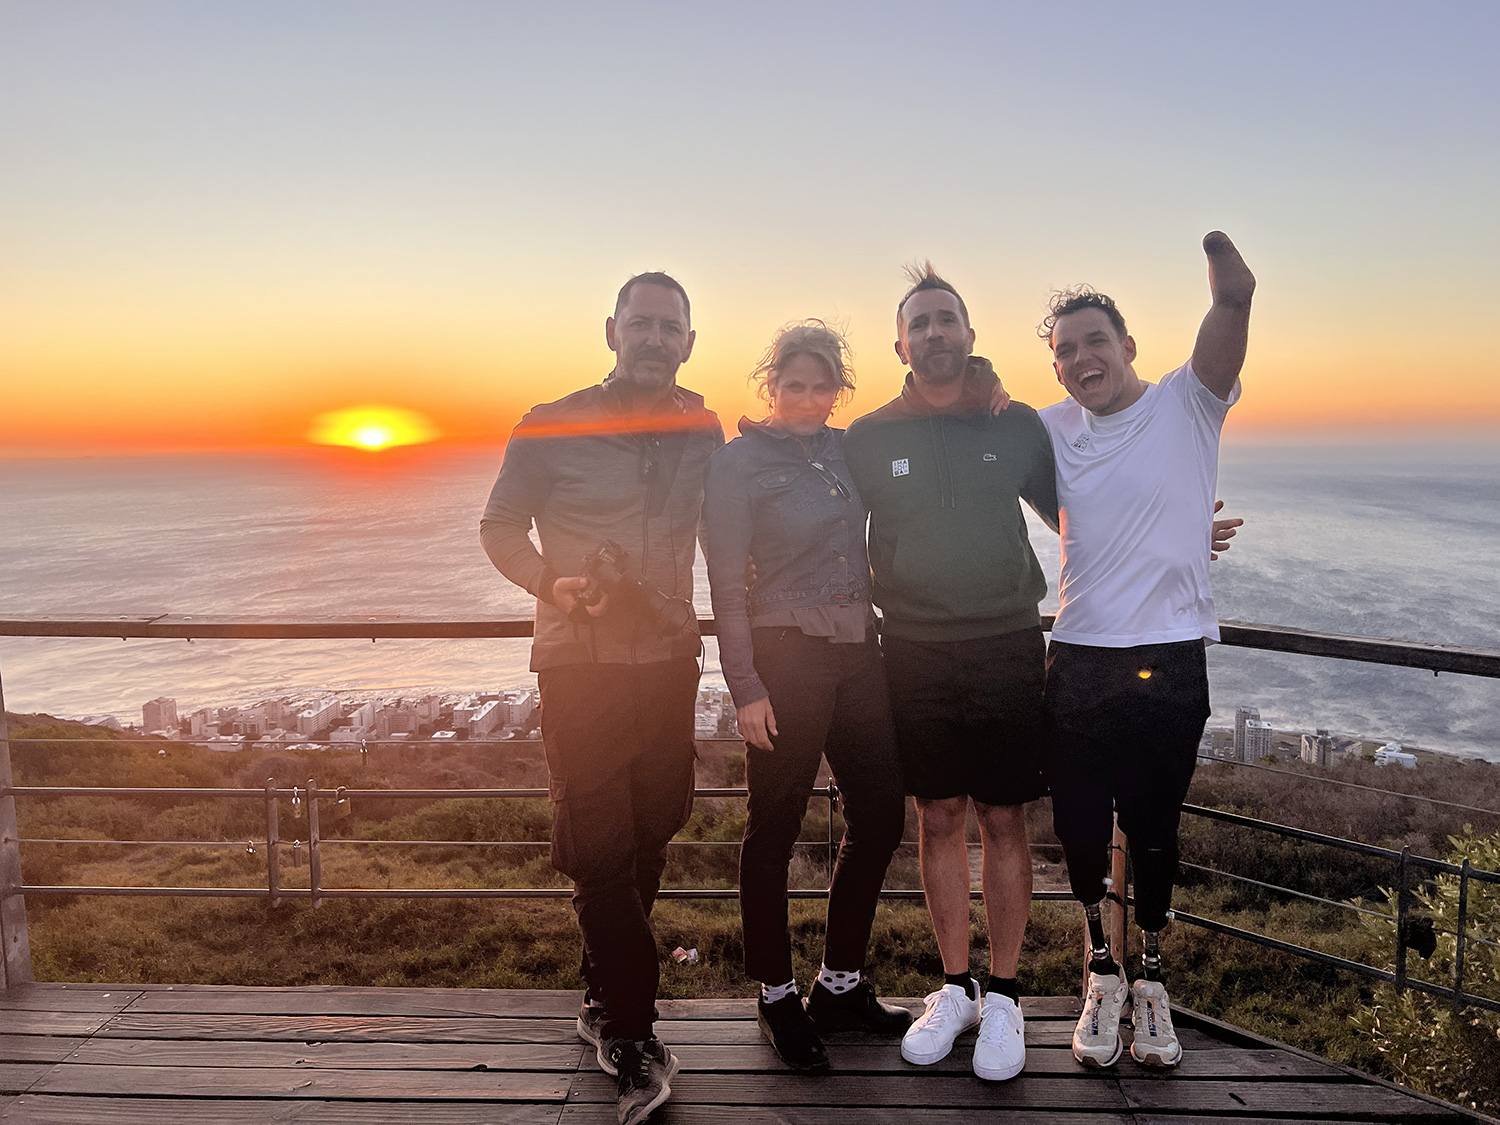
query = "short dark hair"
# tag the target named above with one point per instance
(1077, 299)
(923, 276)
(654, 277)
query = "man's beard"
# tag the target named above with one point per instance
(661, 373)
(940, 367)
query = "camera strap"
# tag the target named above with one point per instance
(666, 450)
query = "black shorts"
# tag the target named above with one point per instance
(1124, 726)
(969, 716)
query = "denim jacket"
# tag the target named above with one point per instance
(801, 518)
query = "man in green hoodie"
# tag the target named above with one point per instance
(958, 585)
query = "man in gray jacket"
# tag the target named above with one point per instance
(621, 461)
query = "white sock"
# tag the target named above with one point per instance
(771, 993)
(837, 982)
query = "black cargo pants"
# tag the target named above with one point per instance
(619, 741)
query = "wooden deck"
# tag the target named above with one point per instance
(160, 1055)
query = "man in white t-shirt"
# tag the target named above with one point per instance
(1127, 681)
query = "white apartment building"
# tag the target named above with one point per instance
(1391, 754)
(318, 717)
(1258, 740)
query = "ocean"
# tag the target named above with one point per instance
(1383, 541)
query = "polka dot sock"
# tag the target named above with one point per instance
(771, 993)
(837, 982)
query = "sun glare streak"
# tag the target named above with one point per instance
(371, 427)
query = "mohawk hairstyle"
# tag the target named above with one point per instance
(1077, 299)
(923, 276)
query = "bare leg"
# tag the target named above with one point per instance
(945, 876)
(1007, 882)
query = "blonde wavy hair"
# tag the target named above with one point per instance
(811, 337)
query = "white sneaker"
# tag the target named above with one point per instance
(949, 1014)
(1000, 1050)
(1096, 1039)
(1155, 1042)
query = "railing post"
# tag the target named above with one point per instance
(15, 946)
(314, 860)
(1119, 897)
(1458, 952)
(1403, 913)
(273, 844)
(833, 795)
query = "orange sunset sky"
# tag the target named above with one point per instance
(222, 221)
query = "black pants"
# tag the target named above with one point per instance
(828, 699)
(619, 741)
(1124, 726)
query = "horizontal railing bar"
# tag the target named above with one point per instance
(1308, 775)
(1460, 659)
(1272, 638)
(155, 843)
(1339, 842)
(1284, 890)
(1329, 959)
(466, 892)
(323, 794)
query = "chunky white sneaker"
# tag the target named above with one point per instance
(1096, 1039)
(1000, 1050)
(949, 1014)
(1155, 1042)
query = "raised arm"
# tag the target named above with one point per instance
(1220, 351)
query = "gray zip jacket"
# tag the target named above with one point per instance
(590, 467)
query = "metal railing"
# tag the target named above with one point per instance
(1436, 658)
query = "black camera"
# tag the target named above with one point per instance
(607, 567)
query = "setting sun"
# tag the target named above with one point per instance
(371, 427)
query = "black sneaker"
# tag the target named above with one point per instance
(859, 1009)
(590, 1023)
(645, 1071)
(792, 1034)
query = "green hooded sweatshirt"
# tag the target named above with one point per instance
(948, 546)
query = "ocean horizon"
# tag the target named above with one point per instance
(1378, 539)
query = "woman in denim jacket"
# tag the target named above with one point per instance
(799, 652)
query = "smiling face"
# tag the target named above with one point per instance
(1092, 361)
(650, 336)
(803, 392)
(936, 339)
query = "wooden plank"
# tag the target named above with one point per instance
(17, 1078)
(50, 1110)
(886, 1059)
(330, 1056)
(401, 1029)
(601, 1114)
(271, 1082)
(917, 1090)
(439, 1002)
(36, 1048)
(416, 1002)
(341, 1029)
(54, 1023)
(1313, 1100)
(66, 998)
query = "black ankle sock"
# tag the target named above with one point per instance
(1004, 986)
(964, 981)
